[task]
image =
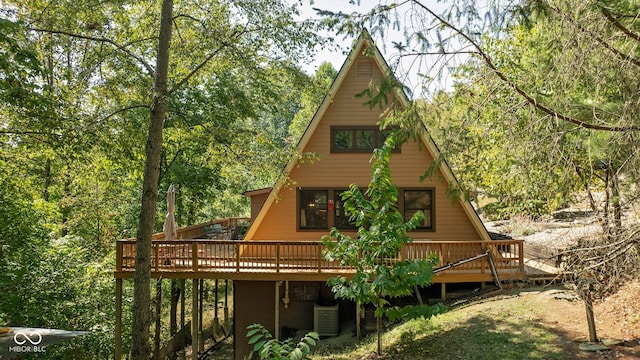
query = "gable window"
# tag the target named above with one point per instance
(419, 199)
(313, 209)
(357, 139)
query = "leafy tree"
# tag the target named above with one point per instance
(266, 347)
(382, 232)
(104, 73)
(311, 98)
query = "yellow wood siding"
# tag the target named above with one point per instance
(342, 169)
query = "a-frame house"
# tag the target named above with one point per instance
(342, 135)
(278, 273)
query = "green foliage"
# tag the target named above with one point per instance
(408, 312)
(268, 348)
(382, 232)
(75, 92)
(311, 98)
(19, 66)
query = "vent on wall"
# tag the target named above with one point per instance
(326, 320)
(364, 69)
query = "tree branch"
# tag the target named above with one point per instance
(195, 70)
(19, 132)
(120, 47)
(469, 52)
(124, 109)
(530, 99)
(597, 38)
(635, 36)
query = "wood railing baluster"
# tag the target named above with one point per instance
(156, 255)
(237, 256)
(277, 257)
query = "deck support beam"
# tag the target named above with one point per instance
(118, 324)
(194, 319)
(277, 312)
(358, 320)
(200, 317)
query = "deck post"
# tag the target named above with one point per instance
(521, 256)
(358, 320)
(118, 325)
(319, 258)
(237, 244)
(183, 287)
(226, 300)
(200, 312)
(443, 291)
(119, 246)
(216, 319)
(277, 312)
(194, 319)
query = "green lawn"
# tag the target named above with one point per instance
(504, 329)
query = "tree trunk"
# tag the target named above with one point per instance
(591, 321)
(617, 208)
(173, 317)
(379, 333)
(65, 210)
(607, 200)
(140, 348)
(158, 302)
(47, 179)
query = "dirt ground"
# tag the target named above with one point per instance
(558, 308)
(617, 316)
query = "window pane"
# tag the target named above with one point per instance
(313, 209)
(408, 214)
(365, 139)
(341, 220)
(418, 200)
(343, 139)
(415, 200)
(427, 218)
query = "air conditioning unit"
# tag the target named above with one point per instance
(326, 320)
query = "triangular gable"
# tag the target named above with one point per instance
(364, 40)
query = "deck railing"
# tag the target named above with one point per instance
(200, 255)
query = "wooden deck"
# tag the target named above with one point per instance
(303, 261)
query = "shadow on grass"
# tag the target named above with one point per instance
(510, 330)
(484, 337)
